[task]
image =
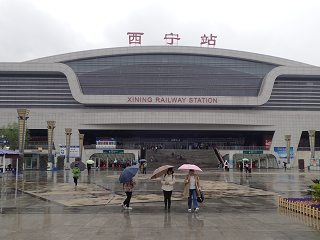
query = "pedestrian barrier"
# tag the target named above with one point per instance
(299, 208)
(311, 221)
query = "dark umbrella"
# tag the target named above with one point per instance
(128, 173)
(81, 165)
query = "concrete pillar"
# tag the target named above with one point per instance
(312, 134)
(68, 136)
(81, 136)
(288, 138)
(50, 126)
(22, 116)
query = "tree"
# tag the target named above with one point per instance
(12, 132)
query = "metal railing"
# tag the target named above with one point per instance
(93, 146)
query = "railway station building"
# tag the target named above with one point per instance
(168, 97)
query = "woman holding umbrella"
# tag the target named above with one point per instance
(128, 189)
(126, 177)
(167, 182)
(192, 188)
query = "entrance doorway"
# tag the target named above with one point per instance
(30, 161)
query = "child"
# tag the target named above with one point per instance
(76, 173)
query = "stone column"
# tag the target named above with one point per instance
(68, 137)
(288, 138)
(22, 116)
(312, 134)
(81, 136)
(50, 126)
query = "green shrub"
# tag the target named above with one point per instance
(315, 189)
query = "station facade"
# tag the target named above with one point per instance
(168, 97)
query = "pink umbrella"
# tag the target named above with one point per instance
(187, 167)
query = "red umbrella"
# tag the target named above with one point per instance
(187, 167)
(160, 171)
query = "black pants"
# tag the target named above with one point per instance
(75, 179)
(167, 198)
(89, 168)
(127, 201)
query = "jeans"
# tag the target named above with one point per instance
(192, 194)
(144, 171)
(127, 201)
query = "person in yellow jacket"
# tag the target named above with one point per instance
(192, 190)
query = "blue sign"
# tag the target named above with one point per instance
(4, 141)
(282, 152)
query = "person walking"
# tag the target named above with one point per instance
(144, 168)
(226, 166)
(192, 190)
(247, 167)
(241, 166)
(89, 168)
(167, 182)
(128, 189)
(76, 173)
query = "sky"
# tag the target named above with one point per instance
(33, 29)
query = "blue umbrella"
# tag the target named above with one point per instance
(128, 173)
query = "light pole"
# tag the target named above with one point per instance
(68, 137)
(288, 138)
(50, 126)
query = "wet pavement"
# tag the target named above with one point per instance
(46, 205)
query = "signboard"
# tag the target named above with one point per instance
(311, 161)
(4, 141)
(268, 143)
(40, 149)
(113, 151)
(282, 152)
(74, 151)
(3, 136)
(252, 152)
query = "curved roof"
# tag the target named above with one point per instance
(55, 63)
(168, 49)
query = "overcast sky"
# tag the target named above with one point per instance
(39, 28)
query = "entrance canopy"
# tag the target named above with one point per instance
(8, 152)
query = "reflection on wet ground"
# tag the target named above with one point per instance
(241, 206)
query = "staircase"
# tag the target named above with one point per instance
(199, 157)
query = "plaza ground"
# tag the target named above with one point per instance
(46, 205)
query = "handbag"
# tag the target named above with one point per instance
(201, 198)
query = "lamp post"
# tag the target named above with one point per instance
(50, 126)
(312, 134)
(288, 138)
(68, 137)
(81, 136)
